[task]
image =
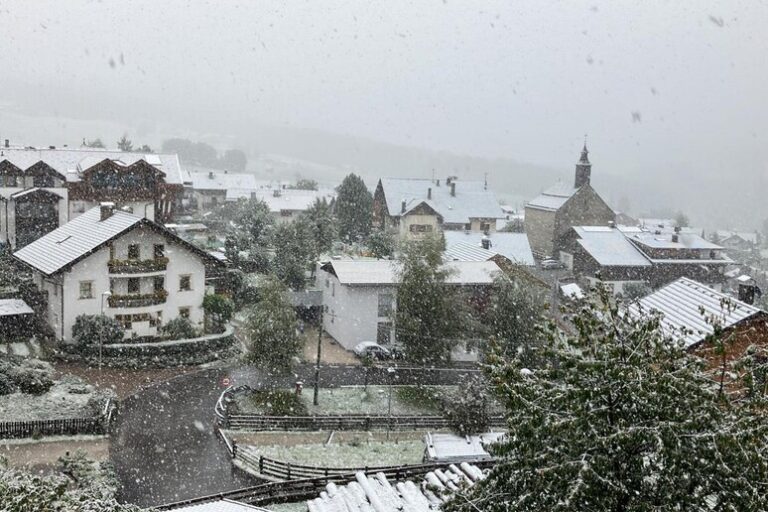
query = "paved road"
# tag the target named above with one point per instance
(164, 448)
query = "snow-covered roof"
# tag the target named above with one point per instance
(554, 197)
(684, 241)
(384, 272)
(25, 192)
(513, 246)
(744, 235)
(10, 307)
(680, 302)
(445, 447)
(609, 247)
(572, 291)
(223, 505)
(220, 180)
(78, 237)
(376, 492)
(288, 199)
(70, 162)
(472, 199)
(465, 251)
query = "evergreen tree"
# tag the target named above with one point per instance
(295, 252)
(95, 143)
(619, 417)
(381, 243)
(323, 225)
(125, 144)
(428, 311)
(304, 184)
(249, 226)
(513, 317)
(681, 220)
(468, 409)
(234, 159)
(354, 209)
(270, 328)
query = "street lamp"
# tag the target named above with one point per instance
(390, 374)
(101, 327)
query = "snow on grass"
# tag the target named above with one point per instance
(66, 399)
(359, 452)
(406, 400)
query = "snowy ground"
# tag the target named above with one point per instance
(358, 452)
(374, 400)
(66, 399)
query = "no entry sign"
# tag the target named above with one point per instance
(225, 382)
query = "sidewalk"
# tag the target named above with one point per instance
(331, 352)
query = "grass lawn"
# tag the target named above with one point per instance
(406, 400)
(358, 452)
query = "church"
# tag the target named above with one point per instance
(552, 214)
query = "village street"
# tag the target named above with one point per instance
(163, 444)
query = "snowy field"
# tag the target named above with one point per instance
(406, 400)
(356, 453)
(66, 399)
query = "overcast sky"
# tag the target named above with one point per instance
(678, 85)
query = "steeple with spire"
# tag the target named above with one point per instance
(583, 168)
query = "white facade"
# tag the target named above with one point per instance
(66, 300)
(351, 313)
(141, 208)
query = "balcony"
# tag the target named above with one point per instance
(137, 266)
(137, 300)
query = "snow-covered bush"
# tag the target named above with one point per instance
(179, 328)
(89, 329)
(28, 376)
(468, 409)
(7, 386)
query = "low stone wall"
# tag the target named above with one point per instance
(160, 354)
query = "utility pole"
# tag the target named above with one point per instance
(317, 364)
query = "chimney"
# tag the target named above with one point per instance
(453, 189)
(437, 182)
(7, 143)
(611, 224)
(210, 175)
(402, 206)
(429, 193)
(583, 169)
(486, 243)
(253, 195)
(107, 209)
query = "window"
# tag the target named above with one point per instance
(333, 289)
(111, 251)
(485, 227)
(158, 283)
(133, 252)
(10, 181)
(86, 289)
(385, 304)
(383, 333)
(184, 312)
(285, 213)
(112, 286)
(421, 228)
(185, 283)
(124, 320)
(159, 251)
(42, 181)
(134, 285)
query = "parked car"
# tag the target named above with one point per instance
(371, 349)
(551, 264)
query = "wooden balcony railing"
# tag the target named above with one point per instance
(137, 300)
(137, 266)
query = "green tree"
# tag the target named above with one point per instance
(125, 144)
(249, 227)
(95, 143)
(304, 184)
(468, 409)
(218, 311)
(144, 149)
(381, 243)
(681, 220)
(272, 340)
(234, 159)
(89, 329)
(619, 417)
(426, 317)
(323, 224)
(354, 209)
(295, 252)
(179, 328)
(513, 317)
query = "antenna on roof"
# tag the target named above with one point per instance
(485, 181)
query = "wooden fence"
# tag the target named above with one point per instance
(340, 422)
(60, 426)
(296, 490)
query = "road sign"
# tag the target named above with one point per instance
(225, 382)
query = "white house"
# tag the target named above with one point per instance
(359, 296)
(210, 188)
(121, 264)
(285, 204)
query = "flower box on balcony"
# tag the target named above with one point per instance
(137, 300)
(137, 266)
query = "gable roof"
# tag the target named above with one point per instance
(472, 199)
(609, 247)
(83, 235)
(513, 246)
(71, 162)
(213, 180)
(553, 198)
(384, 272)
(664, 241)
(288, 199)
(680, 302)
